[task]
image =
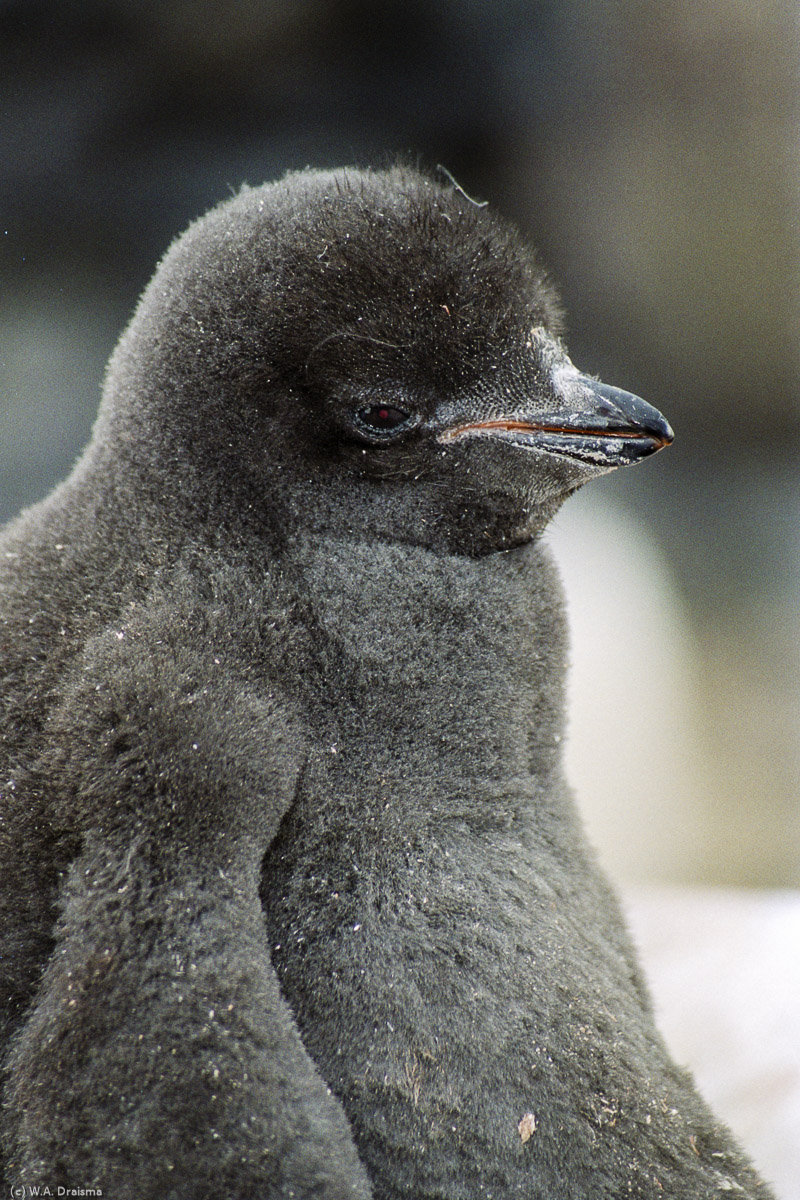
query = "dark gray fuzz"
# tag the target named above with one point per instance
(294, 900)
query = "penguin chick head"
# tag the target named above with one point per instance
(364, 353)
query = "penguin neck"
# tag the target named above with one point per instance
(437, 670)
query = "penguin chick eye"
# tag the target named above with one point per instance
(382, 418)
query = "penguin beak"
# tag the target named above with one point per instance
(602, 426)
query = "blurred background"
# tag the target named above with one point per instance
(649, 151)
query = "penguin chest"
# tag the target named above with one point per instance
(410, 896)
(444, 994)
(399, 980)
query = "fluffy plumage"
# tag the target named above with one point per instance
(295, 901)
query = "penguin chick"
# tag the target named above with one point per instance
(295, 900)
